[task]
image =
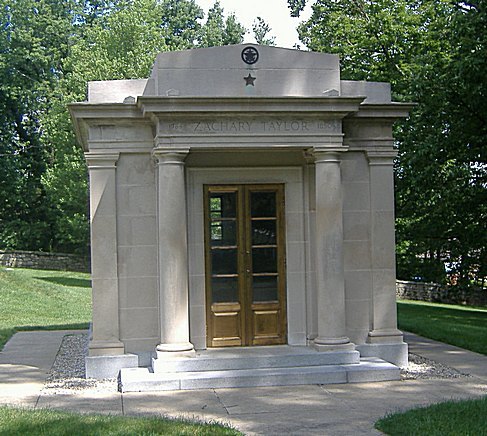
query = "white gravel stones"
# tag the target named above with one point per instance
(421, 368)
(67, 375)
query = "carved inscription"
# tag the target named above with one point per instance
(254, 126)
(285, 126)
(222, 126)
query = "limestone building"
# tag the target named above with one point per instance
(242, 211)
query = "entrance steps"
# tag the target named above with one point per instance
(259, 366)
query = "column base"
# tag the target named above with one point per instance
(333, 344)
(385, 336)
(166, 353)
(170, 351)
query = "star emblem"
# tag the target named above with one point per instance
(250, 55)
(249, 80)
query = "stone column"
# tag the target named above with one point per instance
(330, 281)
(382, 242)
(173, 253)
(105, 338)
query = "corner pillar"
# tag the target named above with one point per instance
(173, 254)
(382, 247)
(329, 265)
(105, 339)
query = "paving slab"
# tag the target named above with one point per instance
(25, 362)
(203, 403)
(462, 360)
(333, 409)
(20, 384)
(274, 399)
(80, 402)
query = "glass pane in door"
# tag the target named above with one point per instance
(265, 288)
(223, 205)
(223, 246)
(264, 260)
(264, 232)
(263, 204)
(224, 289)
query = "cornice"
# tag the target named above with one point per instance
(391, 111)
(104, 110)
(160, 106)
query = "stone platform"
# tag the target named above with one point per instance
(244, 367)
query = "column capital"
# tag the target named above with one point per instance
(325, 154)
(171, 156)
(101, 160)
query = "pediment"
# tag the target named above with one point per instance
(245, 70)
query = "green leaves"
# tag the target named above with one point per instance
(34, 37)
(433, 52)
(261, 29)
(49, 50)
(217, 31)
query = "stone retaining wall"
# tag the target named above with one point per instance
(435, 293)
(421, 291)
(39, 260)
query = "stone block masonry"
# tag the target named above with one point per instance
(40, 260)
(435, 293)
(293, 156)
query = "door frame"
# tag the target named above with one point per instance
(298, 272)
(246, 316)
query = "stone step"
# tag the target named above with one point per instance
(245, 358)
(368, 370)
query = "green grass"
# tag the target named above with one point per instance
(43, 300)
(15, 421)
(451, 418)
(463, 326)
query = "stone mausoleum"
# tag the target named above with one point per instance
(242, 222)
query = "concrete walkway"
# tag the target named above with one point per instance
(324, 410)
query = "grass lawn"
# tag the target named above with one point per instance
(452, 418)
(14, 421)
(463, 326)
(38, 299)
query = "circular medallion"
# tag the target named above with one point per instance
(250, 55)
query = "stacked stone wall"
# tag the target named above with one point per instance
(40, 260)
(436, 293)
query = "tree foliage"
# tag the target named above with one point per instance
(434, 53)
(218, 31)
(261, 29)
(49, 51)
(34, 43)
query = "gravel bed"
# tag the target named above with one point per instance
(421, 368)
(67, 374)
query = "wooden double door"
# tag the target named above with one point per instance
(245, 265)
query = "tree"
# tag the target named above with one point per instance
(261, 29)
(217, 31)
(433, 52)
(116, 40)
(34, 41)
(442, 158)
(48, 51)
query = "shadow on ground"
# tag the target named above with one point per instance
(67, 281)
